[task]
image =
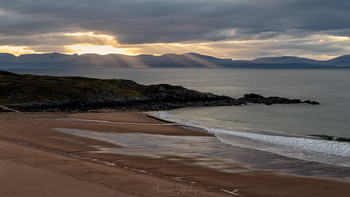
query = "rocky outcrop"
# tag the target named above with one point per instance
(156, 97)
(164, 99)
(255, 98)
(48, 93)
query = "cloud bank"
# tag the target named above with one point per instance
(237, 29)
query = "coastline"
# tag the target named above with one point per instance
(30, 142)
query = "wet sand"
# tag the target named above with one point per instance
(38, 160)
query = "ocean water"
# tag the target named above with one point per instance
(284, 129)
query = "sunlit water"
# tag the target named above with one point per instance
(278, 129)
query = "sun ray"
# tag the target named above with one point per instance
(201, 61)
(89, 48)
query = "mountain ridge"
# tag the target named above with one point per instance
(187, 60)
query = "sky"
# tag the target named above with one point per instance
(234, 29)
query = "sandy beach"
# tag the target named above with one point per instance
(37, 159)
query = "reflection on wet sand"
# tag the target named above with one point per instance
(208, 152)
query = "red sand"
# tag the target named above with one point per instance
(31, 166)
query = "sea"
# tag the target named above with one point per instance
(288, 130)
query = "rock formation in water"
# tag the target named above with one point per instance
(255, 98)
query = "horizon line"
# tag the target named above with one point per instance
(159, 55)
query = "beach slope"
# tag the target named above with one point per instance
(38, 160)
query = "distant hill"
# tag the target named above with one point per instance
(285, 60)
(188, 60)
(340, 61)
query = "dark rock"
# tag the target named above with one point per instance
(48, 93)
(255, 98)
(311, 102)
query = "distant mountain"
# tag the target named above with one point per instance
(285, 60)
(340, 61)
(7, 57)
(188, 60)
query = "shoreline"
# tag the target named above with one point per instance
(189, 127)
(191, 179)
(325, 149)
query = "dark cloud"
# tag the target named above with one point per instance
(148, 21)
(286, 26)
(51, 39)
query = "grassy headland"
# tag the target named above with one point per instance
(24, 92)
(38, 93)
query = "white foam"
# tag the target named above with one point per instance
(308, 144)
(303, 147)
